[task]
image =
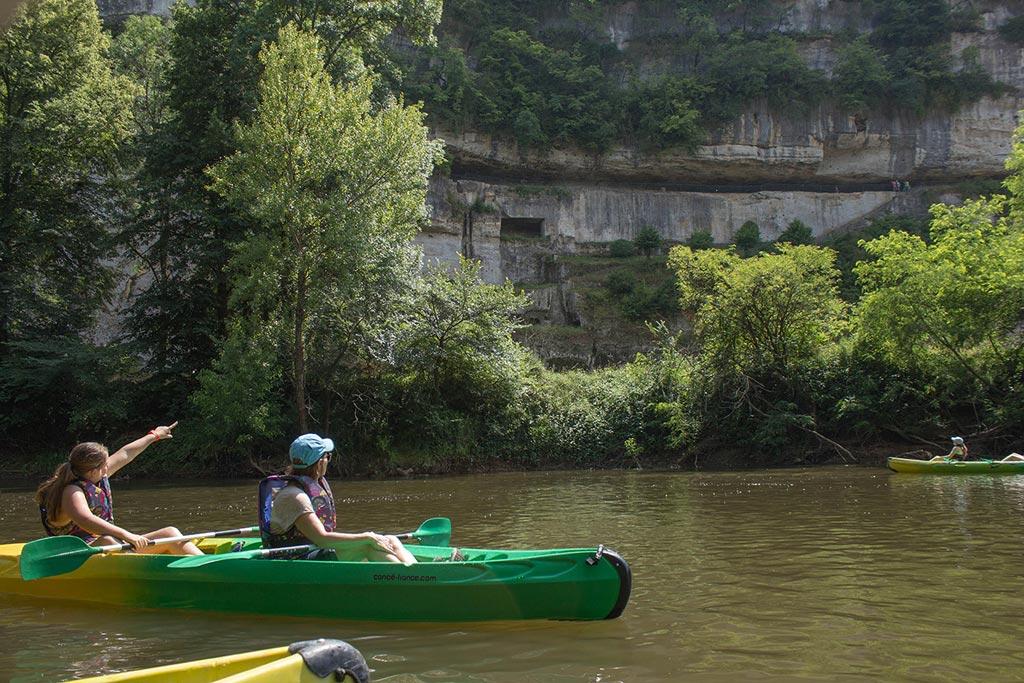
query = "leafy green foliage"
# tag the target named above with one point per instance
(861, 77)
(648, 241)
(773, 311)
(664, 113)
(64, 385)
(1013, 30)
(765, 326)
(955, 302)
(849, 251)
(63, 114)
(620, 282)
(770, 67)
(141, 53)
(700, 239)
(240, 397)
(504, 68)
(622, 248)
(797, 232)
(181, 230)
(541, 94)
(747, 239)
(459, 324)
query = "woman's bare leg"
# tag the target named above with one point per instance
(400, 553)
(180, 548)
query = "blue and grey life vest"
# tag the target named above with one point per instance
(320, 495)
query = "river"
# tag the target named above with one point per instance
(829, 574)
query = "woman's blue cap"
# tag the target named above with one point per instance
(309, 448)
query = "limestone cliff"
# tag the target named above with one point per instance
(828, 169)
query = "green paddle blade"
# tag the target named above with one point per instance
(436, 531)
(53, 555)
(200, 560)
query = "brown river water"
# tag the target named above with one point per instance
(833, 574)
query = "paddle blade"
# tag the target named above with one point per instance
(200, 560)
(436, 531)
(52, 556)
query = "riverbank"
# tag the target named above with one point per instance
(28, 472)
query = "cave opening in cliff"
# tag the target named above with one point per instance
(522, 227)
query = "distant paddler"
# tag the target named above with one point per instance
(957, 454)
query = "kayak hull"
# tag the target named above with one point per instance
(304, 662)
(910, 465)
(575, 583)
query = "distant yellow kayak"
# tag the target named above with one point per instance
(910, 465)
(311, 661)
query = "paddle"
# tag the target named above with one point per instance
(60, 554)
(434, 531)
(200, 560)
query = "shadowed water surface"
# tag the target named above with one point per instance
(827, 574)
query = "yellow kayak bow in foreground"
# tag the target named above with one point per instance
(310, 661)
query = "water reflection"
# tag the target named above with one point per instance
(841, 573)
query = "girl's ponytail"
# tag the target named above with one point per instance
(84, 457)
(49, 493)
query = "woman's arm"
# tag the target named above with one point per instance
(76, 507)
(125, 454)
(313, 529)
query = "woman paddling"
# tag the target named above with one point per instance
(957, 453)
(297, 508)
(76, 500)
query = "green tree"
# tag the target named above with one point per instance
(460, 327)
(648, 241)
(797, 232)
(665, 113)
(141, 53)
(701, 239)
(773, 311)
(1013, 30)
(63, 115)
(335, 190)
(954, 303)
(182, 231)
(860, 77)
(621, 249)
(765, 327)
(747, 239)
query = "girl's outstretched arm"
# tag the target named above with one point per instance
(125, 454)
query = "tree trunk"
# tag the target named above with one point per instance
(299, 353)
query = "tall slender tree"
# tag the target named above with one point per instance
(183, 230)
(334, 189)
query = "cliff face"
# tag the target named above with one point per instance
(826, 168)
(822, 145)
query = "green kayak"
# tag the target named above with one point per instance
(573, 583)
(954, 467)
